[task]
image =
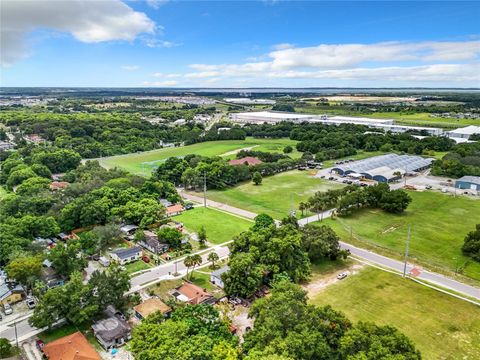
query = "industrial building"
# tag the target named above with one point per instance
(272, 117)
(468, 183)
(269, 117)
(247, 101)
(463, 134)
(383, 168)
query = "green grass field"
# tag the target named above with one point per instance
(442, 327)
(136, 266)
(418, 119)
(439, 224)
(220, 226)
(133, 162)
(276, 196)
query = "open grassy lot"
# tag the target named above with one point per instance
(136, 266)
(442, 327)
(276, 196)
(133, 162)
(220, 226)
(202, 279)
(439, 224)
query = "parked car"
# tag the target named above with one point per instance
(188, 206)
(104, 261)
(95, 257)
(331, 178)
(7, 309)
(428, 187)
(342, 275)
(322, 177)
(145, 259)
(30, 301)
(39, 344)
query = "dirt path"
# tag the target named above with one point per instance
(316, 286)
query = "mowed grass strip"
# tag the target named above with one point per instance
(220, 226)
(276, 196)
(439, 224)
(442, 326)
(134, 162)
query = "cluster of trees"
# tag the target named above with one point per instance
(265, 252)
(36, 164)
(464, 159)
(191, 170)
(285, 327)
(105, 134)
(332, 142)
(471, 246)
(352, 198)
(79, 303)
(192, 332)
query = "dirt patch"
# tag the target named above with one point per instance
(233, 152)
(316, 286)
(240, 319)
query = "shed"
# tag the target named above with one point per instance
(216, 276)
(468, 183)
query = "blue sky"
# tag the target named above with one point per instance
(240, 43)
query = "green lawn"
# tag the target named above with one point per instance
(203, 280)
(441, 326)
(439, 224)
(136, 266)
(276, 196)
(133, 162)
(220, 226)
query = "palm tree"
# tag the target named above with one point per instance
(196, 260)
(212, 257)
(188, 262)
(302, 207)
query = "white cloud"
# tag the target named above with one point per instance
(168, 83)
(154, 43)
(88, 21)
(168, 76)
(130, 67)
(401, 62)
(156, 3)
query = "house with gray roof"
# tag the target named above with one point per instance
(125, 256)
(216, 276)
(468, 183)
(113, 330)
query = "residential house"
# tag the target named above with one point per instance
(71, 347)
(49, 276)
(58, 185)
(129, 231)
(11, 293)
(247, 160)
(192, 294)
(173, 210)
(152, 243)
(216, 276)
(165, 202)
(65, 237)
(113, 330)
(125, 256)
(151, 306)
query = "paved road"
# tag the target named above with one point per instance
(434, 278)
(167, 271)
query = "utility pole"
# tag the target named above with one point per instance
(16, 335)
(406, 254)
(204, 189)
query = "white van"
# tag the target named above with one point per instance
(7, 309)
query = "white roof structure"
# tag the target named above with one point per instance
(467, 130)
(470, 179)
(349, 119)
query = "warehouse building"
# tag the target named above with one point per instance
(269, 117)
(273, 117)
(468, 183)
(463, 134)
(383, 168)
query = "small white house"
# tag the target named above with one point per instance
(216, 276)
(126, 256)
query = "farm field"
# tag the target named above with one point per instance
(220, 226)
(439, 224)
(442, 326)
(276, 196)
(133, 162)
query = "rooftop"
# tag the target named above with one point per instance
(467, 130)
(125, 253)
(192, 293)
(150, 306)
(71, 347)
(471, 179)
(275, 115)
(174, 209)
(218, 273)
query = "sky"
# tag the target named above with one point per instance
(161, 43)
